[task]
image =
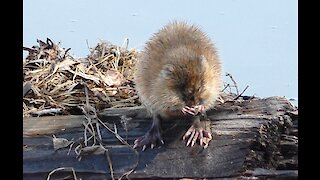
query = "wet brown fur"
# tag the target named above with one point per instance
(179, 67)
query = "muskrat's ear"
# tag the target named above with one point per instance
(167, 70)
(203, 60)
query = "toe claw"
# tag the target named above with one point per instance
(205, 146)
(192, 143)
(135, 146)
(191, 137)
(196, 135)
(188, 143)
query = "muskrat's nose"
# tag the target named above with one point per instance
(191, 104)
(201, 102)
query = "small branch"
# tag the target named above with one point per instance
(110, 164)
(241, 93)
(65, 53)
(63, 169)
(234, 82)
(48, 111)
(225, 87)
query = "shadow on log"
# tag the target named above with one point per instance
(251, 138)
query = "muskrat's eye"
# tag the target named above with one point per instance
(189, 91)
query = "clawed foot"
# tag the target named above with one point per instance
(193, 110)
(152, 137)
(196, 132)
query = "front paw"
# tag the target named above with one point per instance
(193, 110)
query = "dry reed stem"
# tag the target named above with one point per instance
(63, 169)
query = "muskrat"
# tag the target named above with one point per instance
(178, 74)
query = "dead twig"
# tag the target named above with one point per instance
(51, 111)
(241, 93)
(110, 164)
(225, 87)
(234, 82)
(63, 169)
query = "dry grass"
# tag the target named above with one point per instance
(54, 80)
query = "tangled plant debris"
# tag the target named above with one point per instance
(53, 79)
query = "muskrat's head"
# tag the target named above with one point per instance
(186, 81)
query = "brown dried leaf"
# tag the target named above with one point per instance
(59, 143)
(113, 78)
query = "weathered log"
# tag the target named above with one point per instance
(247, 134)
